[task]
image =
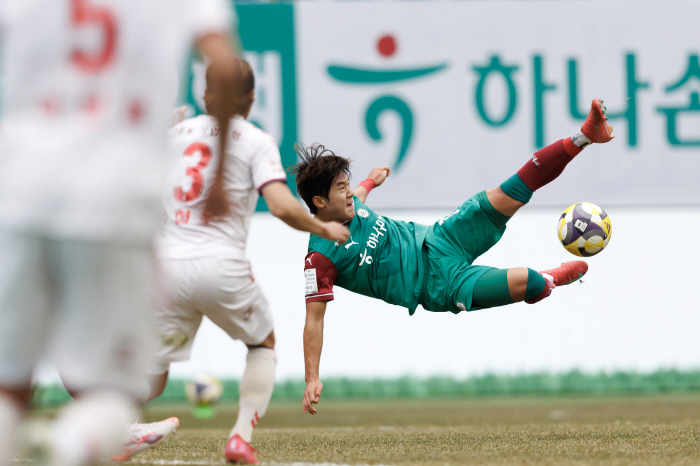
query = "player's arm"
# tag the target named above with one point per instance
(286, 207)
(313, 342)
(376, 178)
(218, 49)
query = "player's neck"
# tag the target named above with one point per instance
(325, 216)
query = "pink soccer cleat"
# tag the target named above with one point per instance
(596, 127)
(143, 437)
(568, 272)
(238, 451)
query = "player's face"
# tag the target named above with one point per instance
(340, 205)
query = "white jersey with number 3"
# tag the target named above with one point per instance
(253, 161)
(87, 89)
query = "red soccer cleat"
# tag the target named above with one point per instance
(238, 451)
(596, 127)
(568, 272)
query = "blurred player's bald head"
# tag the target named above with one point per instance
(244, 95)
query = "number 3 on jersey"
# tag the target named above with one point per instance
(194, 173)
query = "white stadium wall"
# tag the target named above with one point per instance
(636, 310)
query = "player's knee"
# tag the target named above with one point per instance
(268, 342)
(156, 385)
(517, 283)
(502, 202)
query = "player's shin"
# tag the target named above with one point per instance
(548, 163)
(538, 287)
(499, 287)
(10, 415)
(256, 388)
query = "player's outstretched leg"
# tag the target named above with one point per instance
(256, 388)
(548, 163)
(499, 287)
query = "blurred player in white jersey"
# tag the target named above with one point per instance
(85, 107)
(203, 258)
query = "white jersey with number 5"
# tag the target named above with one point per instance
(253, 162)
(87, 89)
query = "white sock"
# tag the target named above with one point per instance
(256, 387)
(10, 416)
(580, 140)
(92, 428)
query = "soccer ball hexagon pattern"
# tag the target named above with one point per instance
(204, 390)
(584, 229)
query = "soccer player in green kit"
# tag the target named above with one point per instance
(408, 264)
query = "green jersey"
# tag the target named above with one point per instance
(382, 259)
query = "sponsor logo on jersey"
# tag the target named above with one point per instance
(362, 213)
(309, 259)
(347, 246)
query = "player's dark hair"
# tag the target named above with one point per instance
(318, 169)
(246, 83)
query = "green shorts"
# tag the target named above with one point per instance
(450, 247)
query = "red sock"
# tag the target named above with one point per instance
(548, 163)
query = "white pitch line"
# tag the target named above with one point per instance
(212, 463)
(208, 463)
(175, 462)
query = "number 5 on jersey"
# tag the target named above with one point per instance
(85, 15)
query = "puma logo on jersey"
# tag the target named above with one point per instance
(309, 259)
(534, 160)
(347, 246)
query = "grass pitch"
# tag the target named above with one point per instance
(656, 430)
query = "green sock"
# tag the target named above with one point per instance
(516, 188)
(498, 219)
(535, 284)
(491, 289)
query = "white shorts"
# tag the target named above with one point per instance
(86, 307)
(221, 289)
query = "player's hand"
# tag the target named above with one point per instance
(379, 174)
(217, 203)
(311, 396)
(178, 115)
(334, 231)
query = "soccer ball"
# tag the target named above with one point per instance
(204, 390)
(584, 229)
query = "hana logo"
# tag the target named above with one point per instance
(386, 47)
(362, 213)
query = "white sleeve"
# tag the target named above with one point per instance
(211, 16)
(266, 164)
